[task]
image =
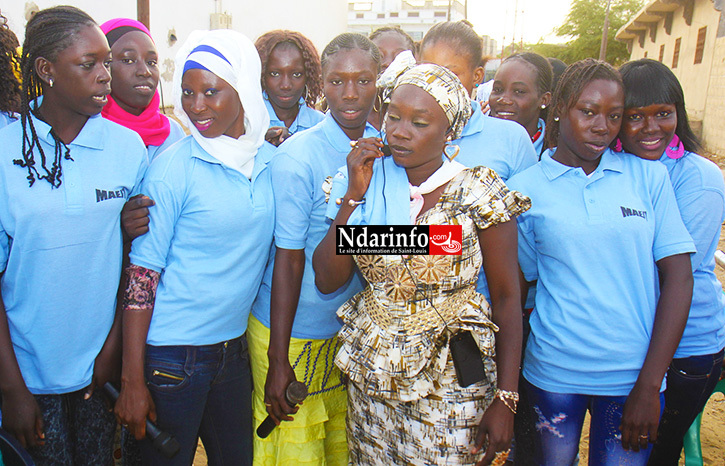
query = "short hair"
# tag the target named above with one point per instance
(570, 87)
(409, 42)
(48, 33)
(458, 34)
(544, 73)
(313, 70)
(350, 41)
(649, 82)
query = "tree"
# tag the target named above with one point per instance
(584, 25)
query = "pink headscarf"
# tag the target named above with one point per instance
(151, 125)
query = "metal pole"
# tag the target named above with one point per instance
(513, 38)
(142, 13)
(605, 34)
(449, 10)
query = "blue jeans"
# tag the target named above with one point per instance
(559, 418)
(202, 392)
(690, 382)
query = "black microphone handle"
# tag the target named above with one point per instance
(162, 441)
(296, 393)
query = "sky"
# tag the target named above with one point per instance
(536, 18)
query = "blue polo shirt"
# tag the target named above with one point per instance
(7, 118)
(539, 143)
(210, 233)
(60, 249)
(306, 118)
(700, 193)
(299, 169)
(501, 145)
(592, 243)
(176, 132)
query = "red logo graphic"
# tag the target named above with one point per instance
(445, 239)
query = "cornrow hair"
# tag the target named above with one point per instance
(350, 41)
(649, 82)
(9, 64)
(48, 33)
(570, 86)
(313, 70)
(409, 42)
(460, 35)
(544, 73)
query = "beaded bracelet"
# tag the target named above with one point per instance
(510, 399)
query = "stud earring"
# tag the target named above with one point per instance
(556, 118)
(543, 106)
(50, 82)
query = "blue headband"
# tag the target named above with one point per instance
(194, 65)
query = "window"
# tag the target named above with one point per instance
(700, 47)
(676, 53)
(413, 14)
(645, 55)
(439, 14)
(359, 15)
(381, 15)
(662, 52)
(394, 14)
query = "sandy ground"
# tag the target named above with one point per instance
(712, 433)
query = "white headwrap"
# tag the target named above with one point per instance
(241, 68)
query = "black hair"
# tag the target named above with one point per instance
(558, 67)
(649, 82)
(571, 84)
(9, 61)
(544, 73)
(350, 41)
(267, 42)
(409, 42)
(48, 33)
(460, 35)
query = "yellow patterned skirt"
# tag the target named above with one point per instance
(317, 434)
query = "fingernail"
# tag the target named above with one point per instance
(86, 396)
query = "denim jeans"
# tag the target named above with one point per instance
(202, 392)
(690, 382)
(559, 419)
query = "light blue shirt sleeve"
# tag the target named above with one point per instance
(4, 248)
(525, 149)
(151, 250)
(293, 201)
(527, 238)
(671, 236)
(339, 188)
(697, 211)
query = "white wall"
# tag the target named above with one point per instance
(320, 20)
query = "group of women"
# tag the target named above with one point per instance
(591, 194)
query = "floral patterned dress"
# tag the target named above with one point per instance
(404, 403)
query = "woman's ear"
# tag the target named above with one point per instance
(44, 70)
(478, 75)
(545, 100)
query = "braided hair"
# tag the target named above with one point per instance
(313, 70)
(409, 42)
(350, 41)
(570, 86)
(48, 33)
(9, 59)
(544, 73)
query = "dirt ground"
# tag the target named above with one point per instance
(712, 433)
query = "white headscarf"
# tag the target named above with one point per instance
(240, 67)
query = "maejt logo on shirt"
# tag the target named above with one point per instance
(104, 195)
(399, 239)
(627, 212)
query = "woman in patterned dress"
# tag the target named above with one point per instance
(406, 404)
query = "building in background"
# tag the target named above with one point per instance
(689, 37)
(171, 21)
(413, 16)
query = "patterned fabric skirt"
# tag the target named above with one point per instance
(317, 434)
(439, 429)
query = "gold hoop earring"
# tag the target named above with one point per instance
(379, 101)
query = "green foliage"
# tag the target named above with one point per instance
(584, 25)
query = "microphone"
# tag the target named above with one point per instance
(386, 150)
(162, 441)
(296, 393)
